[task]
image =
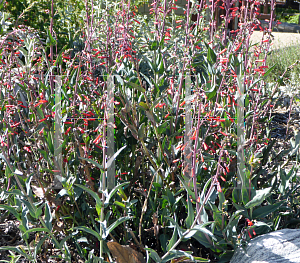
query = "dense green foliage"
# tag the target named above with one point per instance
(196, 169)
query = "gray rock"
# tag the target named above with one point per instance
(281, 246)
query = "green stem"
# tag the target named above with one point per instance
(150, 158)
(195, 220)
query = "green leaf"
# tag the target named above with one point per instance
(44, 154)
(173, 239)
(191, 217)
(154, 45)
(120, 204)
(11, 210)
(32, 210)
(65, 239)
(50, 40)
(187, 188)
(135, 86)
(38, 246)
(119, 79)
(212, 94)
(6, 161)
(59, 57)
(269, 71)
(110, 161)
(36, 230)
(141, 132)
(39, 211)
(245, 195)
(50, 143)
(92, 193)
(143, 105)
(154, 255)
(114, 225)
(179, 229)
(93, 162)
(231, 228)
(236, 195)
(113, 191)
(263, 211)
(185, 255)
(48, 217)
(202, 229)
(161, 67)
(88, 230)
(17, 250)
(222, 200)
(202, 239)
(211, 55)
(8, 172)
(259, 197)
(162, 128)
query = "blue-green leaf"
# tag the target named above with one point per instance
(259, 197)
(263, 211)
(88, 230)
(93, 162)
(11, 210)
(17, 250)
(113, 191)
(154, 255)
(36, 230)
(92, 193)
(135, 86)
(48, 217)
(191, 217)
(114, 225)
(173, 239)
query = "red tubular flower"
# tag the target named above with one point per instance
(41, 131)
(223, 51)
(249, 222)
(27, 149)
(219, 189)
(67, 131)
(249, 234)
(81, 130)
(38, 104)
(43, 119)
(15, 125)
(223, 179)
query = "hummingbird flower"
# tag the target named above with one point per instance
(250, 223)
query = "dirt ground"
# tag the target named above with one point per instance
(280, 39)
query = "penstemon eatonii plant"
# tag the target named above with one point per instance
(189, 98)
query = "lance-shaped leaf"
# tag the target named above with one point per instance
(106, 231)
(259, 197)
(92, 193)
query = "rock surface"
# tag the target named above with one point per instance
(281, 246)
